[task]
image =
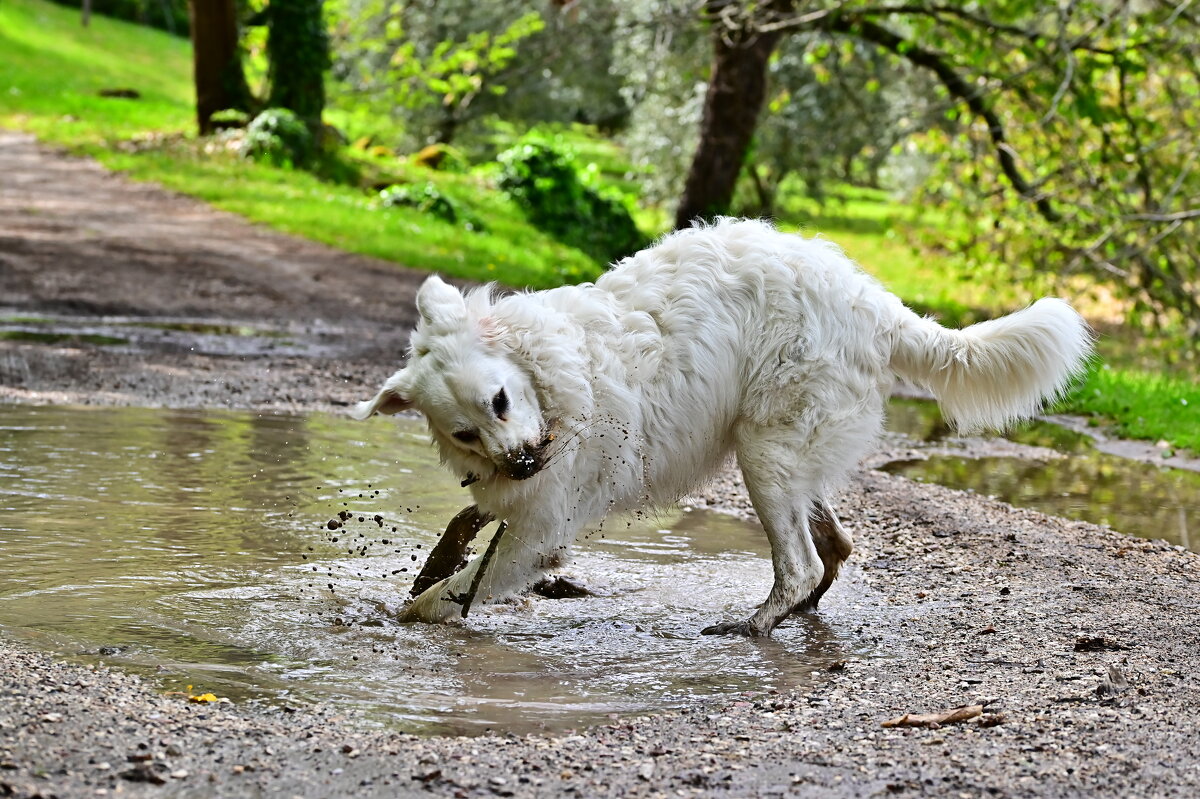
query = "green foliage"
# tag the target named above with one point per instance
(428, 199)
(544, 181)
(278, 136)
(230, 118)
(1085, 166)
(406, 59)
(833, 116)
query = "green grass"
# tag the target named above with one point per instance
(509, 250)
(52, 68)
(1139, 404)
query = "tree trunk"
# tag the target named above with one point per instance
(217, 63)
(298, 51)
(737, 88)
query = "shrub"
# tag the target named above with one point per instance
(545, 182)
(277, 136)
(229, 118)
(428, 199)
(441, 157)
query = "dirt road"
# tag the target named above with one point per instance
(1077, 643)
(89, 254)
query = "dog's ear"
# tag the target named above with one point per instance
(391, 399)
(440, 304)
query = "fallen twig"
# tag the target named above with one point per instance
(483, 564)
(935, 720)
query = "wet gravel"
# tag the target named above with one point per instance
(1077, 642)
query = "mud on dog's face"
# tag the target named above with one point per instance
(482, 409)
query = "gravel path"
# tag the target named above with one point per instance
(1077, 644)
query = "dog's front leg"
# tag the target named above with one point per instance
(532, 543)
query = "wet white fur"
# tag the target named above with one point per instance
(727, 338)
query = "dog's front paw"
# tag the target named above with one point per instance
(436, 605)
(735, 628)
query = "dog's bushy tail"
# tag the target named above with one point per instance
(991, 374)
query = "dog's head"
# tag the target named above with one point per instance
(482, 408)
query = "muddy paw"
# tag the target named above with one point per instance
(436, 605)
(732, 628)
(559, 587)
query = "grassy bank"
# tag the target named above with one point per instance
(1138, 404)
(52, 72)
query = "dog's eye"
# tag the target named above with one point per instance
(500, 404)
(467, 436)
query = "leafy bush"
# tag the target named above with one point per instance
(441, 157)
(230, 118)
(428, 199)
(277, 136)
(545, 182)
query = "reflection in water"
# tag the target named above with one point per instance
(195, 547)
(1132, 497)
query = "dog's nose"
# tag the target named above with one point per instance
(523, 463)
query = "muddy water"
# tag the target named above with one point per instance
(1132, 497)
(193, 548)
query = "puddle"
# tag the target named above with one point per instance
(1136, 498)
(211, 328)
(203, 336)
(192, 548)
(38, 337)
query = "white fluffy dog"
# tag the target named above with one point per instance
(567, 405)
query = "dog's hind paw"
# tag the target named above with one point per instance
(734, 628)
(559, 587)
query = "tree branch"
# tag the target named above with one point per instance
(958, 87)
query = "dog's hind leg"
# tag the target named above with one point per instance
(786, 476)
(833, 547)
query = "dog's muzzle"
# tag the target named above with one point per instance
(523, 463)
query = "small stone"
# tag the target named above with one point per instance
(179, 774)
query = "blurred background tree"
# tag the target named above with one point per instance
(1066, 149)
(217, 61)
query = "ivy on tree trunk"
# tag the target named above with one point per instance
(298, 52)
